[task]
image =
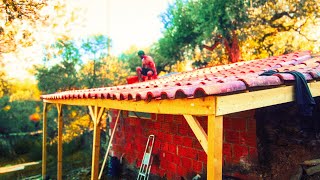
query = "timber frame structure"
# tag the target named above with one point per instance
(215, 107)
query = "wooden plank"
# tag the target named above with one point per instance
(257, 99)
(109, 145)
(44, 142)
(198, 106)
(59, 158)
(17, 167)
(215, 144)
(198, 131)
(97, 113)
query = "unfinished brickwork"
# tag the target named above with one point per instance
(177, 152)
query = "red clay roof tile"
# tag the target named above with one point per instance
(207, 81)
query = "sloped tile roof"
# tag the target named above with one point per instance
(231, 78)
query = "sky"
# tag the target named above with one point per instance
(126, 22)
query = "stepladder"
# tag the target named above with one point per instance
(146, 163)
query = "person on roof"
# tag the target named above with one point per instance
(148, 69)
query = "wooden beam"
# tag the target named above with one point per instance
(96, 117)
(60, 126)
(91, 112)
(215, 144)
(198, 131)
(44, 141)
(257, 99)
(109, 145)
(198, 106)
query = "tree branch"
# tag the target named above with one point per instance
(280, 15)
(212, 47)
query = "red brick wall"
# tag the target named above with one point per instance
(176, 149)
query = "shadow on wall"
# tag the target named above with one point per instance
(285, 138)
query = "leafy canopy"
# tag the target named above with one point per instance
(247, 28)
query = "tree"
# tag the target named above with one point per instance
(14, 13)
(24, 91)
(63, 75)
(130, 56)
(14, 116)
(190, 23)
(283, 27)
(4, 85)
(210, 24)
(95, 48)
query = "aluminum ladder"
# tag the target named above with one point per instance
(145, 167)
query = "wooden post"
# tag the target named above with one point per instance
(96, 114)
(60, 126)
(44, 141)
(215, 144)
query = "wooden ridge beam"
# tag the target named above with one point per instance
(198, 106)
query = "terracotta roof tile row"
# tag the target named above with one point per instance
(223, 79)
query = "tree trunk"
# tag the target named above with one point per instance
(232, 47)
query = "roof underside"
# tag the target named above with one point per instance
(219, 80)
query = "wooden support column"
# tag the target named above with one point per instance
(60, 126)
(215, 144)
(96, 113)
(44, 141)
(198, 131)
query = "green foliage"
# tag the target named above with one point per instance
(67, 64)
(4, 85)
(231, 27)
(132, 59)
(61, 76)
(6, 149)
(95, 48)
(14, 116)
(189, 24)
(180, 29)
